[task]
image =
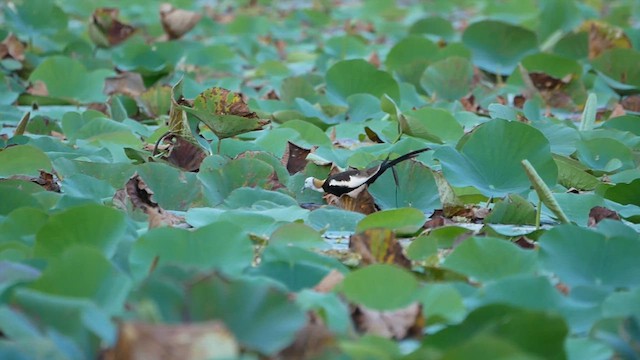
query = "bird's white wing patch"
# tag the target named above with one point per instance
(352, 183)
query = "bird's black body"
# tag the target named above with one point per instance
(351, 180)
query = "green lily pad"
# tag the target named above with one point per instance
(448, 79)
(297, 234)
(68, 79)
(416, 188)
(572, 174)
(433, 26)
(581, 256)
(274, 318)
(410, 56)
(380, 287)
(513, 209)
(625, 193)
(498, 47)
(493, 167)
(23, 160)
(220, 245)
(630, 123)
(357, 76)
(435, 125)
(441, 303)
(99, 279)
(619, 68)
(403, 221)
(605, 154)
(90, 225)
(489, 259)
(499, 331)
(553, 65)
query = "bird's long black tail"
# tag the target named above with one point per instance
(386, 164)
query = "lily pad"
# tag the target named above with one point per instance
(581, 256)
(448, 79)
(492, 166)
(220, 245)
(357, 76)
(403, 221)
(68, 79)
(23, 160)
(618, 67)
(489, 259)
(497, 47)
(380, 287)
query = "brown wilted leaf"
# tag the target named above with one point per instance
(396, 324)
(362, 203)
(141, 196)
(127, 83)
(598, 213)
(11, 47)
(106, 29)
(374, 60)
(272, 95)
(525, 243)
(631, 103)
(139, 341)
(47, 180)
(38, 88)
(618, 110)
(310, 341)
(295, 158)
(378, 246)
(546, 82)
(281, 48)
(371, 135)
(177, 22)
(101, 107)
(604, 36)
(330, 281)
(184, 154)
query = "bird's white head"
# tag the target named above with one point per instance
(313, 184)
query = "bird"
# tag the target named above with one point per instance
(351, 182)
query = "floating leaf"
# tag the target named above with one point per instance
(493, 167)
(448, 79)
(489, 259)
(497, 46)
(403, 221)
(351, 77)
(23, 160)
(380, 287)
(225, 113)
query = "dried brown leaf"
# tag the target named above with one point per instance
(209, 340)
(184, 154)
(599, 213)
(12, 47)
(38, 88)
(177, 22)
(47, 180)
(310, 341)
(295, 158)
(378, 246)
(127, 83)
(329, 282)
(141, 196)
(631, 103)
(396, 324)
(106, 29)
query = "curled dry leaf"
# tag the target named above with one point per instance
(38, 88)
(599, 213)
(183, 153)
(395, 324)
(631, 103)
(378, 246)
(47, 180)
(177, 22)
(12, 48)
(363, 203)
(210, 340)
(310, 341)
(126, 83)
(105, 29)
(604, 36)
(295, 158)
(141, 196)
(330, 281)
